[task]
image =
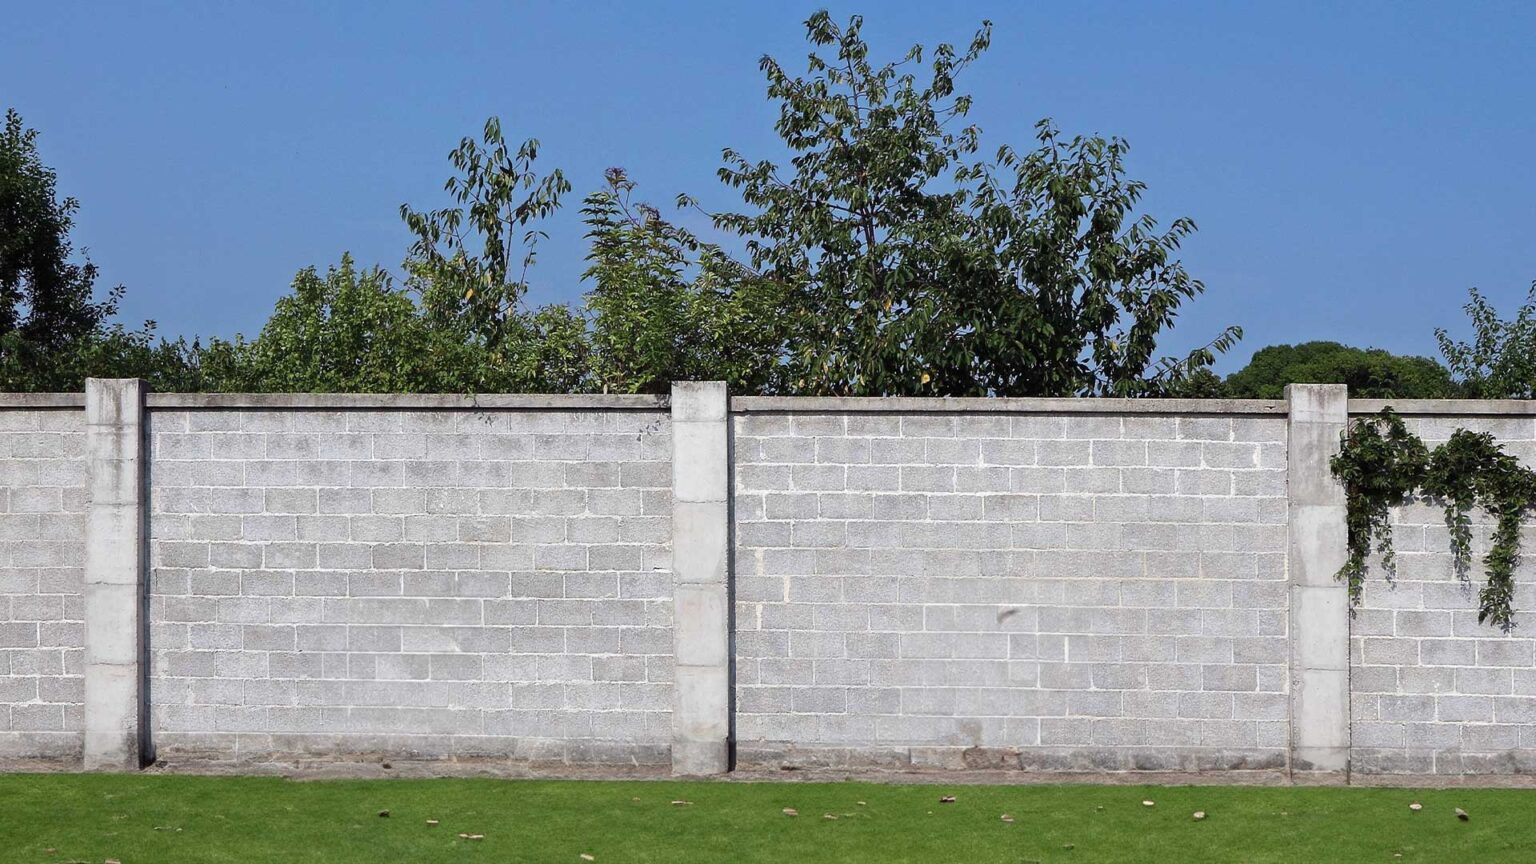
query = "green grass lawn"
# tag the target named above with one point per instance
(168, 819)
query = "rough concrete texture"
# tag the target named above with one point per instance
(700, 542)
(114, 575)
(419, 584)
(965, 588)
(42, 563)
(1432, 690)
(1319, 601)
(1047, 592)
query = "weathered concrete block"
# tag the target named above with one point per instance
(1319, 605)
(115, 580)
(700, 532)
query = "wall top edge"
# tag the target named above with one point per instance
(773, 404)
(1447, 407)
(1004, 405)
(407, 402)
(14, 401)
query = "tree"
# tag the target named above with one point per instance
(54, 331)
(546, 351)
(1199, 384)
(887, 257)
(465, 259)
(1500, 361)
(471, 277)
(1371, 373)
(117, 352)
(912, 267)
(342, 331)
(666, 307)
(48, 310)
(355, 331)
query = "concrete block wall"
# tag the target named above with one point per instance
(703, 582)
(439, 584)
(1432, 690)
(42, 556)
(1049, 591)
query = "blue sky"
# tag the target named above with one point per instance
(1353, 168)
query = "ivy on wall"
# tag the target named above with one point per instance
(1383, 465)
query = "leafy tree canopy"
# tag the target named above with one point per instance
(344, 330)
(1500, 361)
(667, 307)
(54, 329)
(471, 262)
(913, 266)
(886, 257)
(351, 330)
(1371, 373)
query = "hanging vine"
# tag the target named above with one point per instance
(1380, 464)
(1383, 465)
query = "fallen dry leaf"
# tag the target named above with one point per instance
(431, 823)
(1149, 803)
(790, 811)
(947, 799)
(1198, 815)
(828, 816)
(111, 861)
(586, 857)
(1462, 814)
(681, 803)
(1007, 818)
(472, 836)
(1415, 806)
(860, 803)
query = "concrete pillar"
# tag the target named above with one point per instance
(115, 593)
(1319, 601)
(700, 570)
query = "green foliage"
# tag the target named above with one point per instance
(666, 307)
(470, 264)
(1370, 373)
(1198, 384)
(1089, 285)
(1472, 470)
(887, 258)
(463, 259)
(342, 331)
(49, 317)
(351, 330)
(54, 331)
(355, 331)
(547, 351)
(914, 268)
(1381, 465)
(1500, 361)
(116, 352)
